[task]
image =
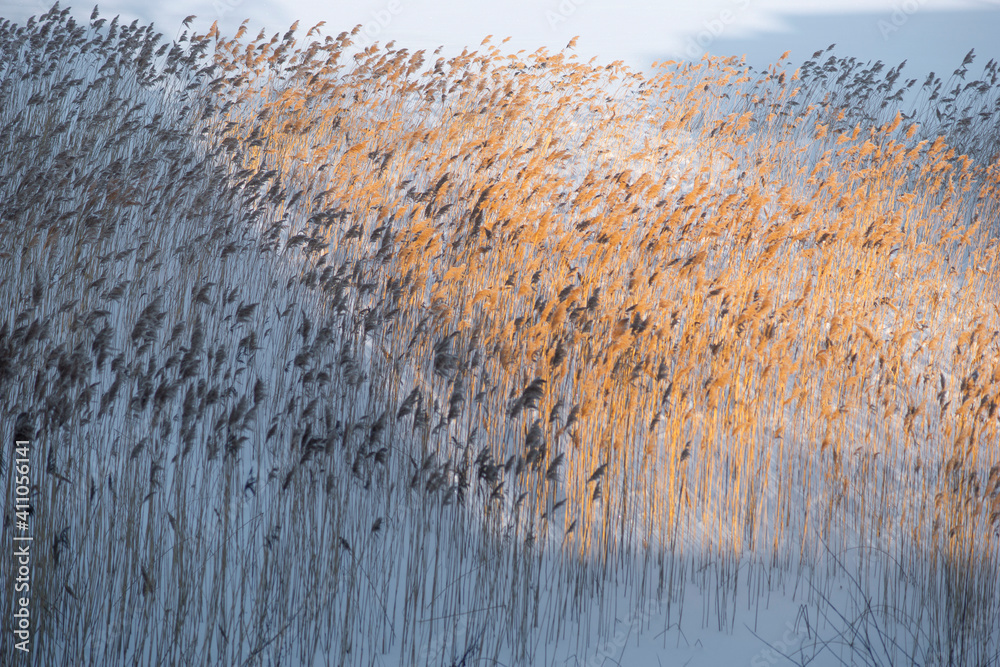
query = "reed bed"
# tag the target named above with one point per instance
(341, 356)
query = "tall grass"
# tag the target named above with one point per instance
(340, 356)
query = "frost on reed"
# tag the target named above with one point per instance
(339, 356)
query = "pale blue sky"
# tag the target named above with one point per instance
(930, 34)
